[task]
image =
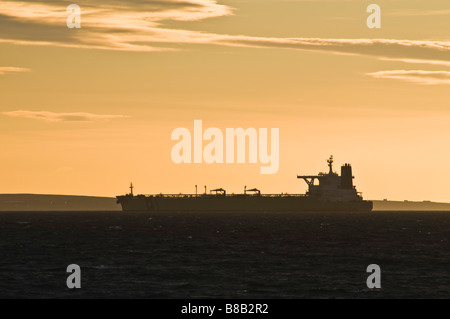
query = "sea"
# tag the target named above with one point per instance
(189, 255)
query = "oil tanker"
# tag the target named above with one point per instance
(326, 192)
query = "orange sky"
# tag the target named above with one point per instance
(86, 111)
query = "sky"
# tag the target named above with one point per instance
(86, 111)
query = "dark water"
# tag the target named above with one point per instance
(225, 255)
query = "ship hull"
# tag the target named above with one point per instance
(237, 203)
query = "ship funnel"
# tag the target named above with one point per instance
(346, 176)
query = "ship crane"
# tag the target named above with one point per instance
(218, 191)
(254, 190)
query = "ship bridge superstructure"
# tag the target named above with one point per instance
(330, 186)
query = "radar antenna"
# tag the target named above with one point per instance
(330, 164)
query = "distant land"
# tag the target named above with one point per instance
(409, 205)
(35, 202)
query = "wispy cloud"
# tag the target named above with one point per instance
(11, 69)
(415, 76)
(416, 61)
(137, 25)
(132, 25)
(438, 51)
(418, 13)
(62, 117)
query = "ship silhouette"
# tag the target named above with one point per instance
(331, 193)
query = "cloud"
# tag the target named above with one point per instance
(11, 69)
(416, 61)
(419, 13)
(133, 25)
(415, 76)
(438, 51)
(62, 117)
(142, 26)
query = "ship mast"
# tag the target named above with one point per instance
(330, 164)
